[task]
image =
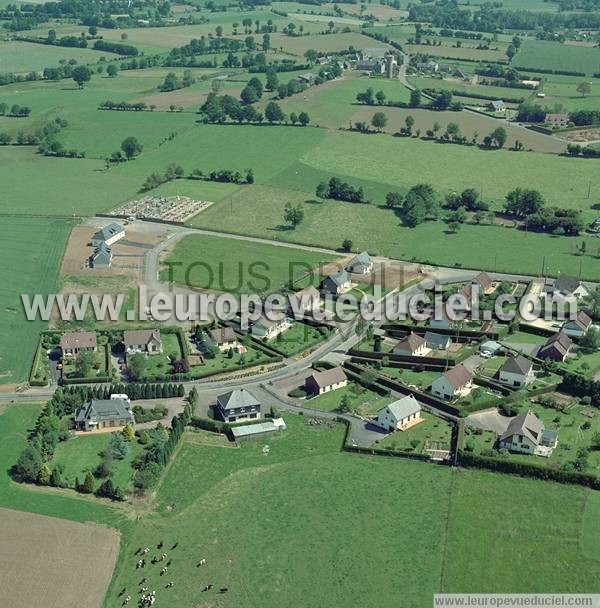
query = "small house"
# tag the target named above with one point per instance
(238, 404)
(108, 235)
(75, 342)
(452, 384)
(497, 106)
(570, 286)
(337, 283)
(360, 264)
(104, 413)
(556, 348)
(411, 345)
(517, 372)
(428, 66)
(577, 327)
(526, 434)
(223, 338)
(142, 341)
(491, 347)
(435, 341)
(326, 381)
(400, 415)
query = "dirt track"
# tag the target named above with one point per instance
(54, 563)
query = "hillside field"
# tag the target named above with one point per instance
(35, 247)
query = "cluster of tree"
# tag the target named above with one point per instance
(81, 74)
(585, 117)
(125, 106)
(206, 45)
(294, 86)
(154, 180)
(420, 203)
(341, 191)
(529, 206)
(491, 18)
(219, 108)
(378, 121)
(142, 414)
(293, 215)
(130, 148)
(52, 39)
(15, 111)
(252, 92)
(531, 112)
(172, 82)
(115, 47)
(40, 135)
(225, 176)
(150, 463)
(469, 199)
(579, 150)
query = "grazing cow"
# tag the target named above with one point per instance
(169, 563)
(169, 585)
(175, 546)
(223, 589)
(160, 545)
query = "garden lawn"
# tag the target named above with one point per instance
(81, 454)
(408, 376)
(297, 339)
(222, 362)
(236, 266)
(35, 246)
(432, 429)
(363, 401)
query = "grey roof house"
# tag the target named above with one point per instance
(436, 341)
(400, 414)
(526, 434)
(360, 264)
(104, 413)
(102, 257)
(108, 235)
(337, 282)
(325, 381)
(142, 341)
(238, 404)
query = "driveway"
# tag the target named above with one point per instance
(489, 420)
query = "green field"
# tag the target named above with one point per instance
(20, 57)
(35, 247)
(360, 399)
(237, 266)
(555, 56)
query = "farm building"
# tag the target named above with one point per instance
(517, 371)
(456, 382)
(269, 328)
(104, 413)
(556, 121)
(102, 257)
(577, 327)
(108, 235)
(412, 345)
(497, 106)
(306, 80)
(526, 434)
(428, 66)
(374, 52)
(75, 342)
(556, 348)
(400, 415)
(259, 430)
(238, 404)
(142, 341)
(336, 283)
(360, 264)
(223, 338)
(325, 381)
(435, 341)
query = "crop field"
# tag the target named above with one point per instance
(237, 266)
(563, 90)
(28, 544)
(22, 57)
(332, 42)
(463, 52)
(555, 56)
(35, 246)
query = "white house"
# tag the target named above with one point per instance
(570, 286)
(400, 415)
(306, 299)
(576, 328)
(269, 329)
(75, 342)
(435, 341)
(360, 264)
(517, 371)
(526, 434)
(411, 345)
(223, 338)
(456, 382)
(108, 235)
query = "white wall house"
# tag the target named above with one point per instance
(517, 372)
(400, 415)
(456, 382)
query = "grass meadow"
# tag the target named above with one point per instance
(32, 249)
(556, 56)
(221, 264)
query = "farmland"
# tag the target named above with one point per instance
(36, 245)
(554, 56)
